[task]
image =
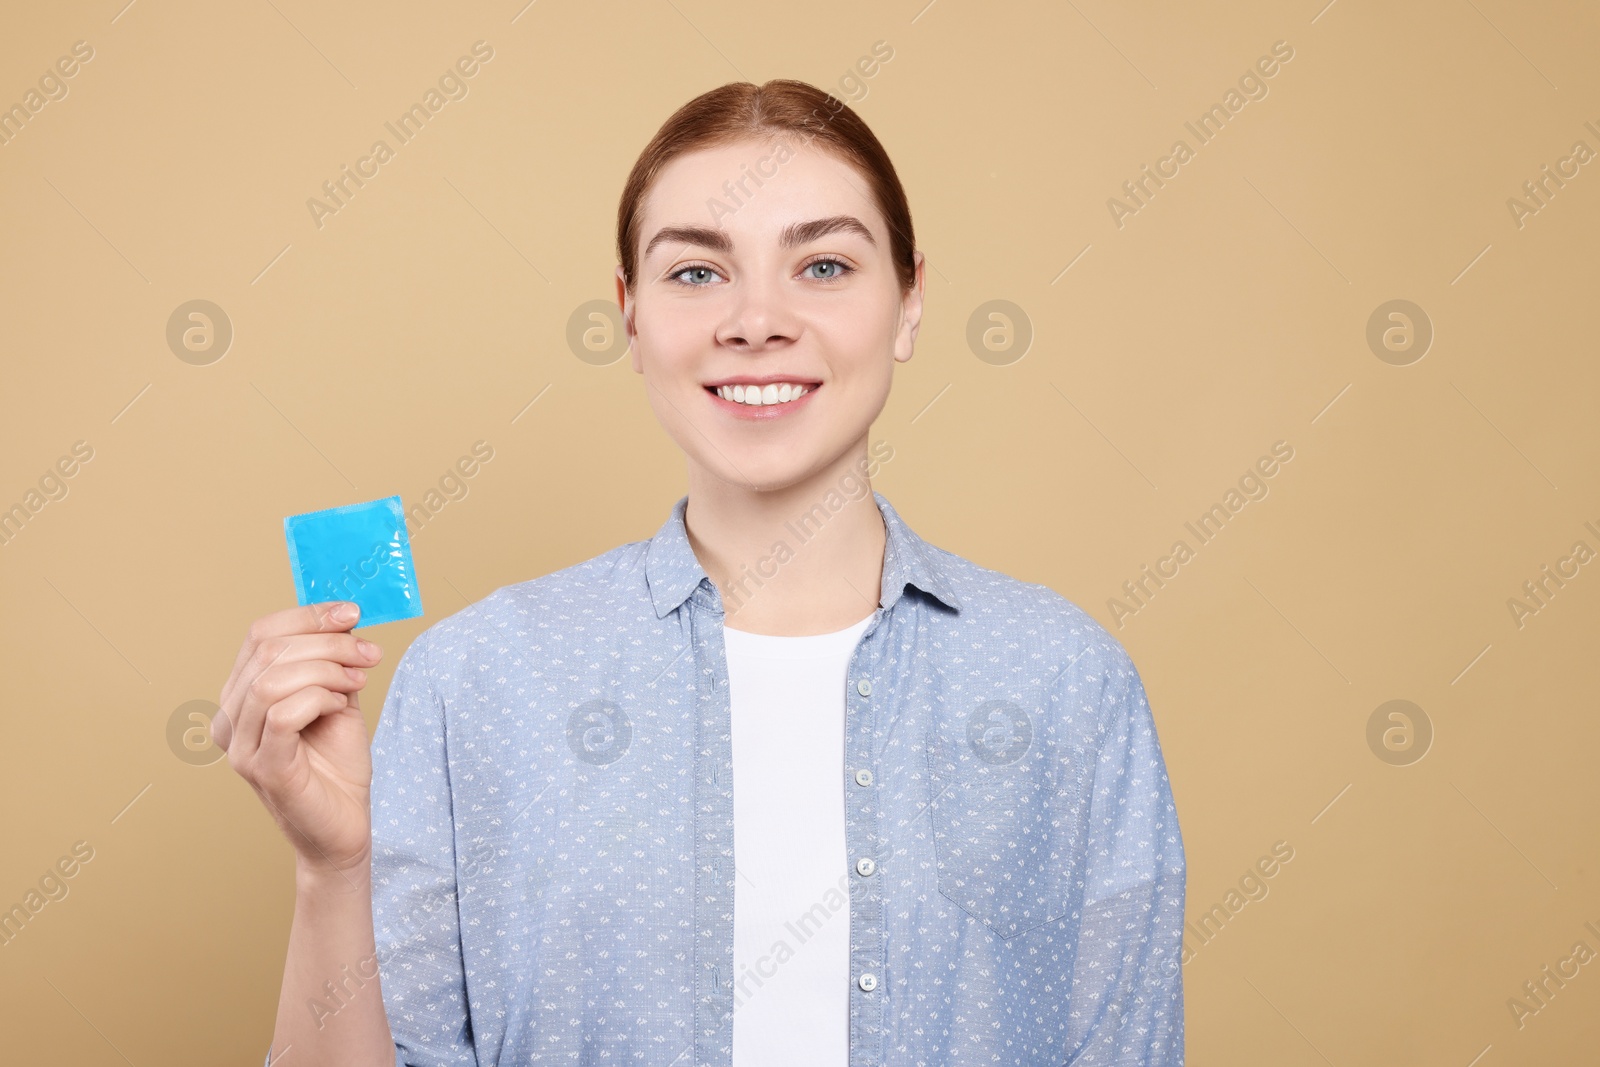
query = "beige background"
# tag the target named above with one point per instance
(1229, 313)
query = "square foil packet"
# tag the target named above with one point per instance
(357, 552)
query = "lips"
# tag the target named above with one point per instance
(742, 410)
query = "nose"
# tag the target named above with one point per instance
(758, 318)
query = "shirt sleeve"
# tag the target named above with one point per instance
(1127, 981)
(416, 920)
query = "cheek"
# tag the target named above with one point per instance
(861, 363)
(675, 351)
(859, 334)
(670, 334)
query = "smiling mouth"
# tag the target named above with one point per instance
(754, 396)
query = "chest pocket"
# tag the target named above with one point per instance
(1010, 807)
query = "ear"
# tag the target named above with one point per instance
(626, 304)
(905, 340)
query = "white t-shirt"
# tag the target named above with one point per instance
(791, 911)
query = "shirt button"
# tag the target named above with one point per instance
(865, 866)
(868, 981)
(864, 687)
(863, 777)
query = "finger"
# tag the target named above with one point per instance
(329, 616)
(322, 617)
(281, 681)
(280, 732)
(234, 700)
(221, 729)
(343, 648)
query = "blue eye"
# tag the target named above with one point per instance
(840, 269)
(703, 272)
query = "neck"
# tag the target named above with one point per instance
(791, 562)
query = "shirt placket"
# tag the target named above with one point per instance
(713, 833)
(865, 690)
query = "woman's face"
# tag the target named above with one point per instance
(789, 281)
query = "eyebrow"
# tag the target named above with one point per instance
(796, 233)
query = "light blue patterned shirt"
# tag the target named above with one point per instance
(552, 804)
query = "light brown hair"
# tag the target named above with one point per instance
(741, 110)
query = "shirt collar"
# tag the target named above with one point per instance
(673, 572)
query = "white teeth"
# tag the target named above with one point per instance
(777, 393)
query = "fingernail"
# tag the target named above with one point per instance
(355, 673)
(367, 648)
(345, 613)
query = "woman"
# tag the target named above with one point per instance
(954, 834)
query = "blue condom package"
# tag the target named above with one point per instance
(358, 552)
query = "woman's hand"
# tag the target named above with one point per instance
(291, 725)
